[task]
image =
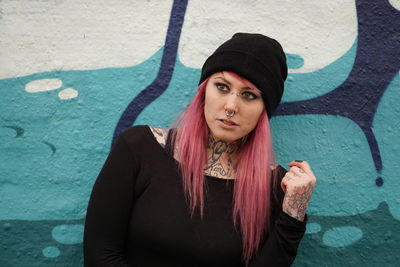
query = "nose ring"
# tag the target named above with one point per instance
(229, 114)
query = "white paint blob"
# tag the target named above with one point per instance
(37, 37)
(319, 32)
(395, 4)
(313, 228)
(51, 252)
(342, 236)
(68, 234)
(43, 85)
(68, 93)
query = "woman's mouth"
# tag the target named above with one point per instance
(228, 123)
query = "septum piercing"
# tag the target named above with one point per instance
(229, 114)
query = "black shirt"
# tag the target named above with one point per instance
(138, 215)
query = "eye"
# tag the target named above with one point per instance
(249, 95)
(222, 87)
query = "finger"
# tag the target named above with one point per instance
(283, 186)
(306, 167)
(296, 170)
(288, 179)
(302, 165)
(288, 176)
(296, 166)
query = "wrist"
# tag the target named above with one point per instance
(295, 207)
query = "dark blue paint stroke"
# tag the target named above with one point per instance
(377, 62)
(52, 147)
(18, 130)
(379, 181)
(161, 82)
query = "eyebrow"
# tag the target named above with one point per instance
(225, 80)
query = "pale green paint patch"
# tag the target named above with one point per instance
(342, 236)
(51, 252)
(68, 234)
(313, 228)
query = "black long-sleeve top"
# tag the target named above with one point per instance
(138, 215)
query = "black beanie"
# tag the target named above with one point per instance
(257, 58)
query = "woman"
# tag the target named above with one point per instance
(208, 192)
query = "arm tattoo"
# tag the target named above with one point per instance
(157, 131)
(159, 134)
(295, 203)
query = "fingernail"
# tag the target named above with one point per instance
(298, 160)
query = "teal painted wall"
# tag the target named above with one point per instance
(74, 74)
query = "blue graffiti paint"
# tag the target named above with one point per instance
(302, 86)
(56, 179)
(294, 61)
(376, 64)
(160, 84)
(344, 182)
(65, 198)
(377, 245)
(181, 89)
(386, 127)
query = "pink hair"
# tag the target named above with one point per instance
(191, 140)
(253, 181)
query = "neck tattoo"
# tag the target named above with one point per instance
(220, 159)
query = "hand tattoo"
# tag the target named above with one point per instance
(295, 203)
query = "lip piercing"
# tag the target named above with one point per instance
(229, 114)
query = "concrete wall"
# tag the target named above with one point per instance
(74, 74)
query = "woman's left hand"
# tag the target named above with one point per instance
(298, 184)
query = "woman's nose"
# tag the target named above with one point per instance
(232, 101)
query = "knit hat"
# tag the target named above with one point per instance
(257, 58)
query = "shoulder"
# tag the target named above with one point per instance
(135, 133)
(139, 140)
(145, 134)
(138, 137)
(160, 135)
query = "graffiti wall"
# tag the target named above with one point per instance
(75, 74)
